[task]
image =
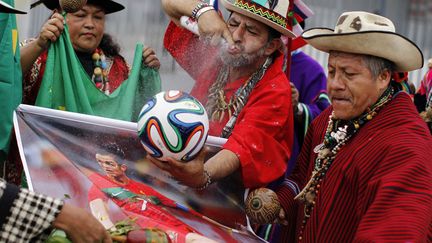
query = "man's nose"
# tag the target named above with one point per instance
(336, 82)
(238, 34)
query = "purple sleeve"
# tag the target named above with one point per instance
(309, 78)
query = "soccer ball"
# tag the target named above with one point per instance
(173, 124)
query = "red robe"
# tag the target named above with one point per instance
(263, 133)
(378, 188)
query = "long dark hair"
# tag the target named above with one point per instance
(109, 46)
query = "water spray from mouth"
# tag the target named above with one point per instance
(238, 60)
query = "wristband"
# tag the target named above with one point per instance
(207, 183)
(197, 8)
(203, 10)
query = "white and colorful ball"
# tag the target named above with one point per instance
(173, 124)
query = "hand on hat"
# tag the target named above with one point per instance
(213, 27)
(50, 31)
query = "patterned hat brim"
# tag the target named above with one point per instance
(404, 53)
(283, 30)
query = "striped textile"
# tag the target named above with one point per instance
(379, 187)
(25, 216)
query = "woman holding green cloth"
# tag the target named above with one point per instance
(104, 70)
(97, 52)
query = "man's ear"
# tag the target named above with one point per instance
(384, 79)
(272, 46)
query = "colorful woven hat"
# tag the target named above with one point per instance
(270, 12)
(108, 5)
(6, 8)
(367, 33)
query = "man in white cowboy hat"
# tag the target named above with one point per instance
(240, 81)
(364, 174)
(27, 216)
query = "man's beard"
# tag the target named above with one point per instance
(241, 60)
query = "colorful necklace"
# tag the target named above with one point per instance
(216, 105)
(235, 103)
(336, 136)
(100, 72)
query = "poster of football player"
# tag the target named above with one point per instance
(99, 164)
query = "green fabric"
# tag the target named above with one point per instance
(119, 193)
(10, 77)
(66, 85)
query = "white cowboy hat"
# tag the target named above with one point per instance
(367, 33)
(6, 8)
(273, 13)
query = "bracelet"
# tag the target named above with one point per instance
(208, 181)
(197, 8)
(203, 10)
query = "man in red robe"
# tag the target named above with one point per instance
(365, 171)
(242, 85)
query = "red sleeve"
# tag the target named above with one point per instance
(399, 194)
(262, 136)
(285, 192)
(290, 206)
(189, 52)
(33, 79)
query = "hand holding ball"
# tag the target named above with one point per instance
(173, 124)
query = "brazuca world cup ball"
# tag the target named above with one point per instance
(173, 124)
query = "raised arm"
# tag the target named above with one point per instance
(175, 8)
(210, 23)
(50, 32)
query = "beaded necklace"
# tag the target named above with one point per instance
(216, 104)
(100, 72)
(337, 134)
